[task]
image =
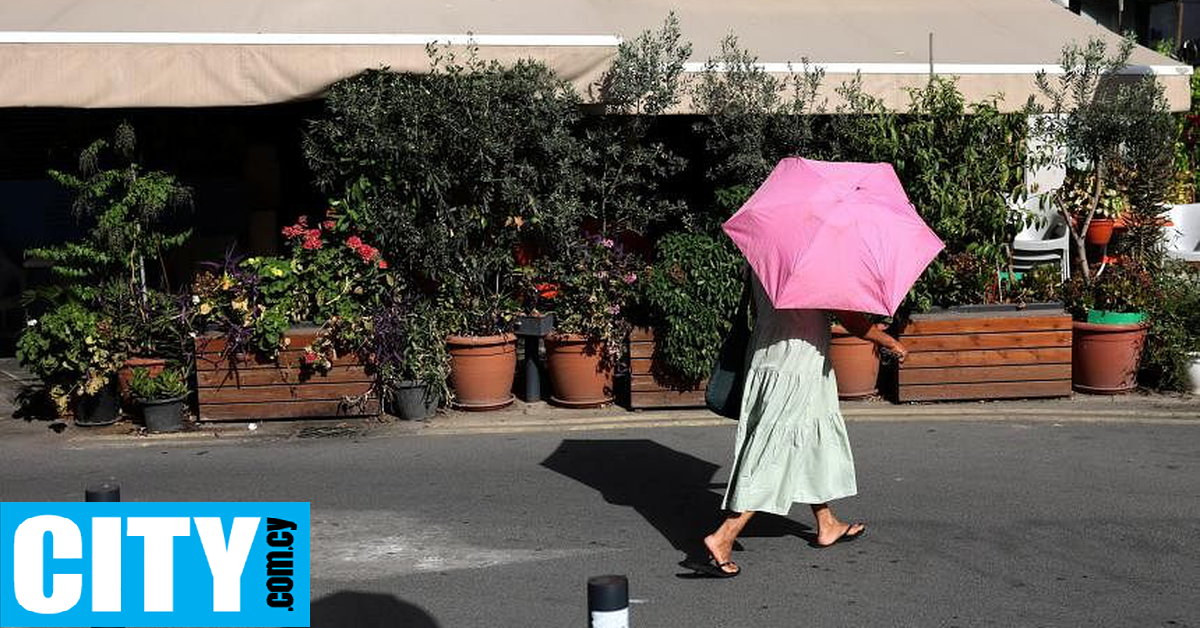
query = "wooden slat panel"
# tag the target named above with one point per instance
(284, 392)
(994, 323)
(215, 343)
(994, 390)
(1046, 355)
(649, 383)
(641, 334)
(967, 342)
(286, 359)
(262, 377)
(976, 374)
(641, 350)
(667, 399)
(298, 410)
(641, 366)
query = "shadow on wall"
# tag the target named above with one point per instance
(673, 491)
(367, 610)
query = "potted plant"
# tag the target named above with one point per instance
(448, 201)
(1110, 329)
(1076, 195)
(162, 397)
(1121, 131)
(68, 349)
(595, 283)
(286, 337)
(855, 363)
(116, 267)
(410, 355)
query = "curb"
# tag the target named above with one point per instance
(459, 424)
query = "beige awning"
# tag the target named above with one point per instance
(176, 53)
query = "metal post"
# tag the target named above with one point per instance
(103, 492)
(533, 376)
(608, 602)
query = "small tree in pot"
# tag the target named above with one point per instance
(1109, 123)
(113, 269)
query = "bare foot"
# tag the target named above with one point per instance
(721, 552)
(838, 530)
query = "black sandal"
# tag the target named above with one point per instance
(846, 537)
(712, 568)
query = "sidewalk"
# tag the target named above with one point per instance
(523, 417)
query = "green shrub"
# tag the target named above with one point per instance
(691, 288)
(68, 349)
(449, 169)
(1174, 333)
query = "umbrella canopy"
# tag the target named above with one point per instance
(833, 235)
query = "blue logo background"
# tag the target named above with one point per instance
(193, 586)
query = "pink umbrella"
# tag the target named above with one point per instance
(833, 235)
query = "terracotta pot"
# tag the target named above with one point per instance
(1100, 231)
(1105, 358)
(855, 363)
(125, 374)
(482, 370)
(579, 375)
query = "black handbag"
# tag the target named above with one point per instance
(724, 392)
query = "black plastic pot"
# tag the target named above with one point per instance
(411, 401)
(163, 415)
(98, 409)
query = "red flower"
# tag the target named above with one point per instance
(312, 240)
(547, 290)
(328, 225)
(297, 230)
(354, 242)
(310, 357)
(382, 265)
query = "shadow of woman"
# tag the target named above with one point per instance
(367, 610)
(672, 490)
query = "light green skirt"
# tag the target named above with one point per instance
(791, 442)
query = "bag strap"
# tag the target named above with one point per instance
(743, 308)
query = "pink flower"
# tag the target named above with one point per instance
(607, 242)
(327, 225)
(630, 278)
(614, 309)
(354, 242)
(382, 265)
(310, 357)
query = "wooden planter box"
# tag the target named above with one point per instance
(258, 388)
(988, 354)
(648, 388)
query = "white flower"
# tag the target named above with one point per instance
(192, 334)
(195, 299)
(32, 322)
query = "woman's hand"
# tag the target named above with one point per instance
(898, 350)
(859, 325)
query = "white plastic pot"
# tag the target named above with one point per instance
(1194, 373)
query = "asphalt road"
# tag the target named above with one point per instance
(969, 524)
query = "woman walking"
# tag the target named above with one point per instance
(791, 441)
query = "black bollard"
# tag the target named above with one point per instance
(608, 602)
(103, 492)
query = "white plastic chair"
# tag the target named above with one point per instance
(1183, 237)
(1045, 240)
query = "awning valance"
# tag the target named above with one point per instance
(182, 53)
